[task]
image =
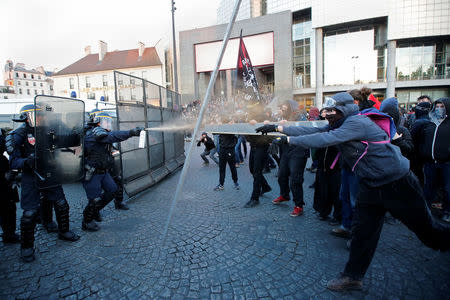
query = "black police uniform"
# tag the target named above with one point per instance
(100, 187)
(9, 197)
(20, 145)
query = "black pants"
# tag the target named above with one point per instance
(258, 157)
(326, 193)
(8, 209)
(290, 175)
(227, 155)
(404, 199)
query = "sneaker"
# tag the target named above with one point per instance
(436, 205)
(341, 232)
(279, 200)
(236, 186)
(446, 217)
(251, 203)
(298, 211)
(219, 188)
(237, 165)
(344, 283)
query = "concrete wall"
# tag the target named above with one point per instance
(280, 24)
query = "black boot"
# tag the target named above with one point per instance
(27, 225)
(62, 216)
(50, 227)
(46, 214)
(121, 206)
(89, 212)
(251, 203)
(98, 216)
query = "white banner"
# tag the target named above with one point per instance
(259, 47)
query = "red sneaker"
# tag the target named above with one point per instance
(279, 200)
(297, 211)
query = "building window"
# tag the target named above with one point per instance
(51, 87)
(41, 84)
(28, 91)
(88, 82)
(350, 56)
(35, 92)
(119, 79)
(302, 40)
(42, 92)
(34, 83)
(71, 85)
(17, 75)
(24, 75)
(26, 83)
(19, 83)
(105, 80)
(91, 96)
(132, 80)
(20, 91)
(32, 76)
(421, 61)
(39, 76)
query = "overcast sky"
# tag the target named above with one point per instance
(53, 33)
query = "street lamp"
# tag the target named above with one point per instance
(175, 67)
(354, 58)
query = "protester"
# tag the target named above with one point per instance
(434, 143)
(292, 166)
(227, 156)
(413, 117)
(386, 183)
(419, 158)
(328, 182)
(210, 148)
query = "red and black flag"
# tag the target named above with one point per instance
(244, 68)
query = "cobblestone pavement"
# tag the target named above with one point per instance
(215, 249)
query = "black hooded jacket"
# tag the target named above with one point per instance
(209, 143)
(432, 137)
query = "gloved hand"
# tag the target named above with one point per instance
(136, 131)
(267, 128)
(30, 162)
(280, 140)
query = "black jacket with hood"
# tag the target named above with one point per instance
(375, 165)
(209, 143)
(433, 136)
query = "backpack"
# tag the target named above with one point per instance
(384, 121)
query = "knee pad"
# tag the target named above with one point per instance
(29, 216)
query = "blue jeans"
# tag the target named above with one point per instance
(437, 175)
(238, 152)
(347, 195)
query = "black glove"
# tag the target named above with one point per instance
(267, 128)
(136, 131)
(30, 162)
(280, 140)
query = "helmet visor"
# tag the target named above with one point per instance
(106, 123)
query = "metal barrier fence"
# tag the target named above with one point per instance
(142, 103)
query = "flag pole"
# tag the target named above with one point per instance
(200, 118)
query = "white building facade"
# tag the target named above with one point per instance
(92, 77)
(28, 83)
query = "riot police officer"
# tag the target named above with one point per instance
(115, 172)
(99, 184)
(9, 197)
(21, 148)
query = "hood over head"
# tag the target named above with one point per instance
(390, 107)
(422, 109)
(446, 102)
(343, 102)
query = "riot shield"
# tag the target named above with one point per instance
(59, 140)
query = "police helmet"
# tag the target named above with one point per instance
(27, 114)
(93, 113)
(103, 119)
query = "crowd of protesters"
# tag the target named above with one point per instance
(423, 142)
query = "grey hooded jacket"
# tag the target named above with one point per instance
(381, 164)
